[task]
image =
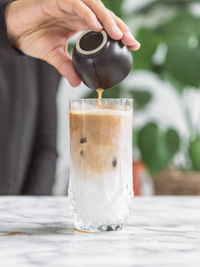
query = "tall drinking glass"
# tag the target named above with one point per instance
(101, 187)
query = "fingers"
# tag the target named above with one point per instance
(113, 25)
(96, 15)
(134, 47)
(64, 65)
(86, 14)
(128, 38)
(105, 18)
(80, 9)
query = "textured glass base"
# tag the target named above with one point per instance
(98, 228)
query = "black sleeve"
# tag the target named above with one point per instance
(5, 45)
(41, 172)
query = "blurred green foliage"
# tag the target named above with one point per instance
(181, 36)
(143, 57)
(157, 146)
(179, 64)
(141, 98)
(180, 67)
(194, 153)
(115, 6)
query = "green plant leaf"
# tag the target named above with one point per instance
(183, 63)
(157, 147)
(70, 47)
(114, 92)
(115, 6)
(181, 27)
(142, 59)
(92, 94)
(148, 139)
(172, 142)
(135, 138)
(141, 98)
(194, 153)
(182, 60)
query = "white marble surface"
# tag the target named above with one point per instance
(162, 231)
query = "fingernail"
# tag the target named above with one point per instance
(138, 44)
(117, 29)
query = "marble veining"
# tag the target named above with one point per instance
(38, 231)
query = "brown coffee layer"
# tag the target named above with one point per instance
(99, 139)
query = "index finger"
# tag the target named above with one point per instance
(105, 17)
(128, 38)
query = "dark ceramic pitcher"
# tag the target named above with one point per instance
(100, 61)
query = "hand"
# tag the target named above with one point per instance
(42, 29)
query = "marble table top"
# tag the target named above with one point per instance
(38, 231)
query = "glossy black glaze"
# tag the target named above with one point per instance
(104, 68)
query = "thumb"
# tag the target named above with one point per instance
(63, 63)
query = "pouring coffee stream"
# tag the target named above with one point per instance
(100, 92)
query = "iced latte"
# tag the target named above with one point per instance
(101, 188)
